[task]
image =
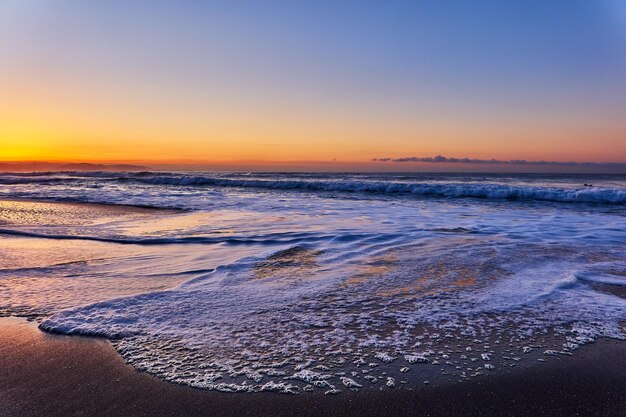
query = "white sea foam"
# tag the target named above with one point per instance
(232, 321)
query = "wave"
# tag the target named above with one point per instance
(268, 239)
(489, 190)
(325, 183)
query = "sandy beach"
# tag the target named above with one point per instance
(50, 375)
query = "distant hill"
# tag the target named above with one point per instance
(32, 166)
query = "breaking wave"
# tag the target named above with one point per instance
(572, 193)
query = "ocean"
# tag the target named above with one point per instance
(247, 282)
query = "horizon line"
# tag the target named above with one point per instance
(437, 164)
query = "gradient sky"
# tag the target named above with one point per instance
(312, 81)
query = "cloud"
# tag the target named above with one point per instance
(443, 159)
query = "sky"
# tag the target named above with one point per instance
(312, 82)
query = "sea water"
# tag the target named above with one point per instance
(247, 282)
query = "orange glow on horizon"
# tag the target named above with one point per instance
(262, 143)
(43, 123)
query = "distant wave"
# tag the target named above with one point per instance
(487, 190)
(493, 191)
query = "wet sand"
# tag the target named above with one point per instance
(51, 375)
(25, 212)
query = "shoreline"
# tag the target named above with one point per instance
(54, 375)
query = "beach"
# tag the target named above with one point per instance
(171, 294)
(51, 375)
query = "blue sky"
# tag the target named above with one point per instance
(492, 68)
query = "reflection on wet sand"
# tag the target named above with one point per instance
(295, 262)
(38, 213)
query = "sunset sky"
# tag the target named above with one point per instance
(232, 81)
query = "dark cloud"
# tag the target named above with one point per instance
(443, 159)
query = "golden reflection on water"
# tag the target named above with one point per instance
(185, 221)
(40, 273)
(374, 268)
(45, 274)
(37, 213)
(21, 253)
(296, 262)
(431, 279)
